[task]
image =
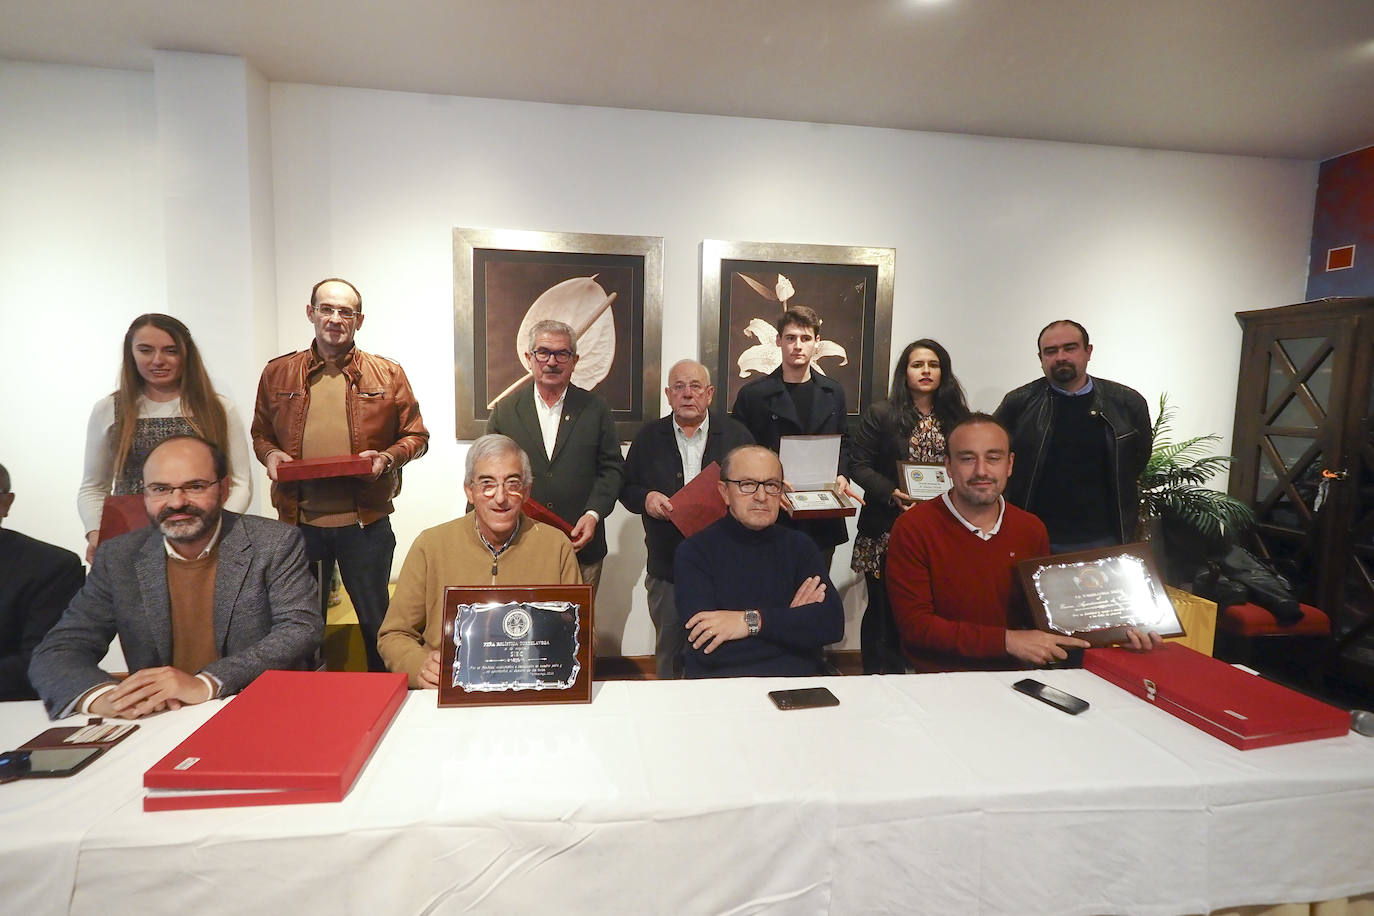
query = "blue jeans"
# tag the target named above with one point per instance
(364, 559)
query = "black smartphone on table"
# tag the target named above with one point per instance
(1051, 695)
(45, 762)
(803, 698)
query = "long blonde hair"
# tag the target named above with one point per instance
(199, 403)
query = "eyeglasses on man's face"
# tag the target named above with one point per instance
(682, 387)
(490, 488)
(329, 311)
(748, 487)
(191, 489)
(544, 355)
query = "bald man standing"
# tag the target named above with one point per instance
(665, 455)
(330, 400)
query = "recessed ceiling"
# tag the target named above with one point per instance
(1284, 78)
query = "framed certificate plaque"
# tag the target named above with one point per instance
(1098, 595)
(922, 481)
(516, 644)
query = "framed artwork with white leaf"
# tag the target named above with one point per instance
(745, 286)
(609, 288)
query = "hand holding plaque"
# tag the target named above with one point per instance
(1099, 595)
(923, 481)
(809, 464)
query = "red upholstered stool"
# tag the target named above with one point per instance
(1249, 634)
(1253, 620)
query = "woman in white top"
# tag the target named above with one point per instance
(164, 391)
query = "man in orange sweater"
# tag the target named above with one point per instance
(951, 565)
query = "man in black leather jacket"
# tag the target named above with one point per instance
(1080, 443)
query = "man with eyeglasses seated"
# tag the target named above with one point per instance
(494, 544)
(665, 456)
(570, 439)
(203, 601)
(330, 400)
(754, 597)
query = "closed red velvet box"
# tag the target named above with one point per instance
(1242, 709)
(316, 468)
(290, 737)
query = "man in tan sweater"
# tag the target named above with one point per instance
(495, 544)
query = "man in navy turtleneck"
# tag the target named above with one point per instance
(1080, 443)
(754, 596)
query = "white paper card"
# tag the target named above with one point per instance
(810, 462)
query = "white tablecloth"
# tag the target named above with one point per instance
(922, 793)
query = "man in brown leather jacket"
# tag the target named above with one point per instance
(333, 400)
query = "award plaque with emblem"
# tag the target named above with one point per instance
(1098, 595)
(922, 481)
(518, 644)
(809, 464)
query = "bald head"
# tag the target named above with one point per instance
(689, 393)
(756, 469)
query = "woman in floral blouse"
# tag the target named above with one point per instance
(925, 400)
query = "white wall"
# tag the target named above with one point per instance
(81, 254)
(1153, 251)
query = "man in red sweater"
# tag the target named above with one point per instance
(951, 565)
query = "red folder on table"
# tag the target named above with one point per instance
(1240, 708)
(698, 504)
(290, 737)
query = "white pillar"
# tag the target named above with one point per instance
(214, 146)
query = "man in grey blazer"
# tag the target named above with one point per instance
(203, 601)
(570, 438)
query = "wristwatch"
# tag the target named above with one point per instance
(753, 620)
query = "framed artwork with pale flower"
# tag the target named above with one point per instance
(745, 286)
(609, 288)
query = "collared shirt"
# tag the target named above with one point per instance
(1086, 389)
(214, 539)
(83, 703)
(991, 532)
(692, 448)
(549, 417)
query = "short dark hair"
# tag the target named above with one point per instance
(315, 290)
(217, 455)
(977, 417)
(802, 317)
(4, 480)
(1082, 330)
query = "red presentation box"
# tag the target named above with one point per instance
(1240, 708)
(317, 468)
(698, 503)
(542, 513)
(290, 737)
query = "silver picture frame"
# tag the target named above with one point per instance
(483, 366)
(863, 326)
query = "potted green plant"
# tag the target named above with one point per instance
(1177, 508)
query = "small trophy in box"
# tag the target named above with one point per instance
(809, 464)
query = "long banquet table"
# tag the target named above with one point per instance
(921, 793)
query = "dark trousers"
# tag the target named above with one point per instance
(364, 559)
(878, 641)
